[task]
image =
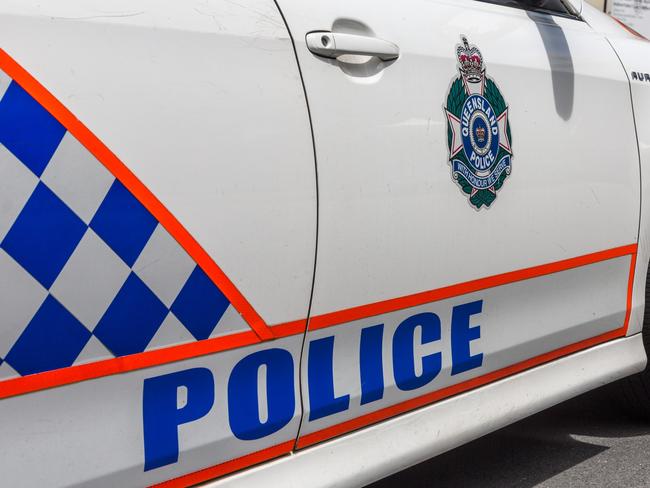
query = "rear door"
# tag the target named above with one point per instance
(157, 240)
(479, 197)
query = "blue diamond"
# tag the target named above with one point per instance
(200, 305)
(44, 235)
(27, 129)
(52, 339)
(123, 223)
(132, 319)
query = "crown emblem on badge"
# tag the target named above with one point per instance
(480, 134)
(470, 61)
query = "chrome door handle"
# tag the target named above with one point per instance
(333, 45)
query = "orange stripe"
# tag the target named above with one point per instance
(393, 410)
(363, 311)
(106, 367)
(228, 467)
(290, 328)
(73, 374)
(139, 190)
(630, 289)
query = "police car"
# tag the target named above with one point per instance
(310, 243)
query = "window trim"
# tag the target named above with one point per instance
(571, 13)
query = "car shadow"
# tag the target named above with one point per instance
(531, 451)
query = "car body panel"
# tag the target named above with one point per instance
(198, 110)
(634, 54)
(128, 125)
(152, 81)
(396, 229)
(342, 393)
(402, 172)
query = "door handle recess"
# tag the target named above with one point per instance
(333, 45)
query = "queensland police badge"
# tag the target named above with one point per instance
(478, 130)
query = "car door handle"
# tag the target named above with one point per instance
(333, 45)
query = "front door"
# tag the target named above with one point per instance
(478, 198)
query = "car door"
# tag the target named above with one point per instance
(157, 240)
(478, 198)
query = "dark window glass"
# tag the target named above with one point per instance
(560, 7)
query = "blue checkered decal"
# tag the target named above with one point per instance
(86, 271)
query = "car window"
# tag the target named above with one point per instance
(555, 7)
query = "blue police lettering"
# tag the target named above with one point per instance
(371, 366)
(320, 378)
(404, 355)
(243, 401)
(161, 415)
(261, 387)
(461, 336)
(320, 361)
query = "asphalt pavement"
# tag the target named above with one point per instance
(585, 442)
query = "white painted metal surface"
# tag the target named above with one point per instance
(391, 222)
(634, 54)
(203, 102)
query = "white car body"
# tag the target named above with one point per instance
(223, 256)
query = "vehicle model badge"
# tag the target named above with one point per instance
(478, 130)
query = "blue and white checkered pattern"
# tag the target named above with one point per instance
(86, 271)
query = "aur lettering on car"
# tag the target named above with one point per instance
(639, 76)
